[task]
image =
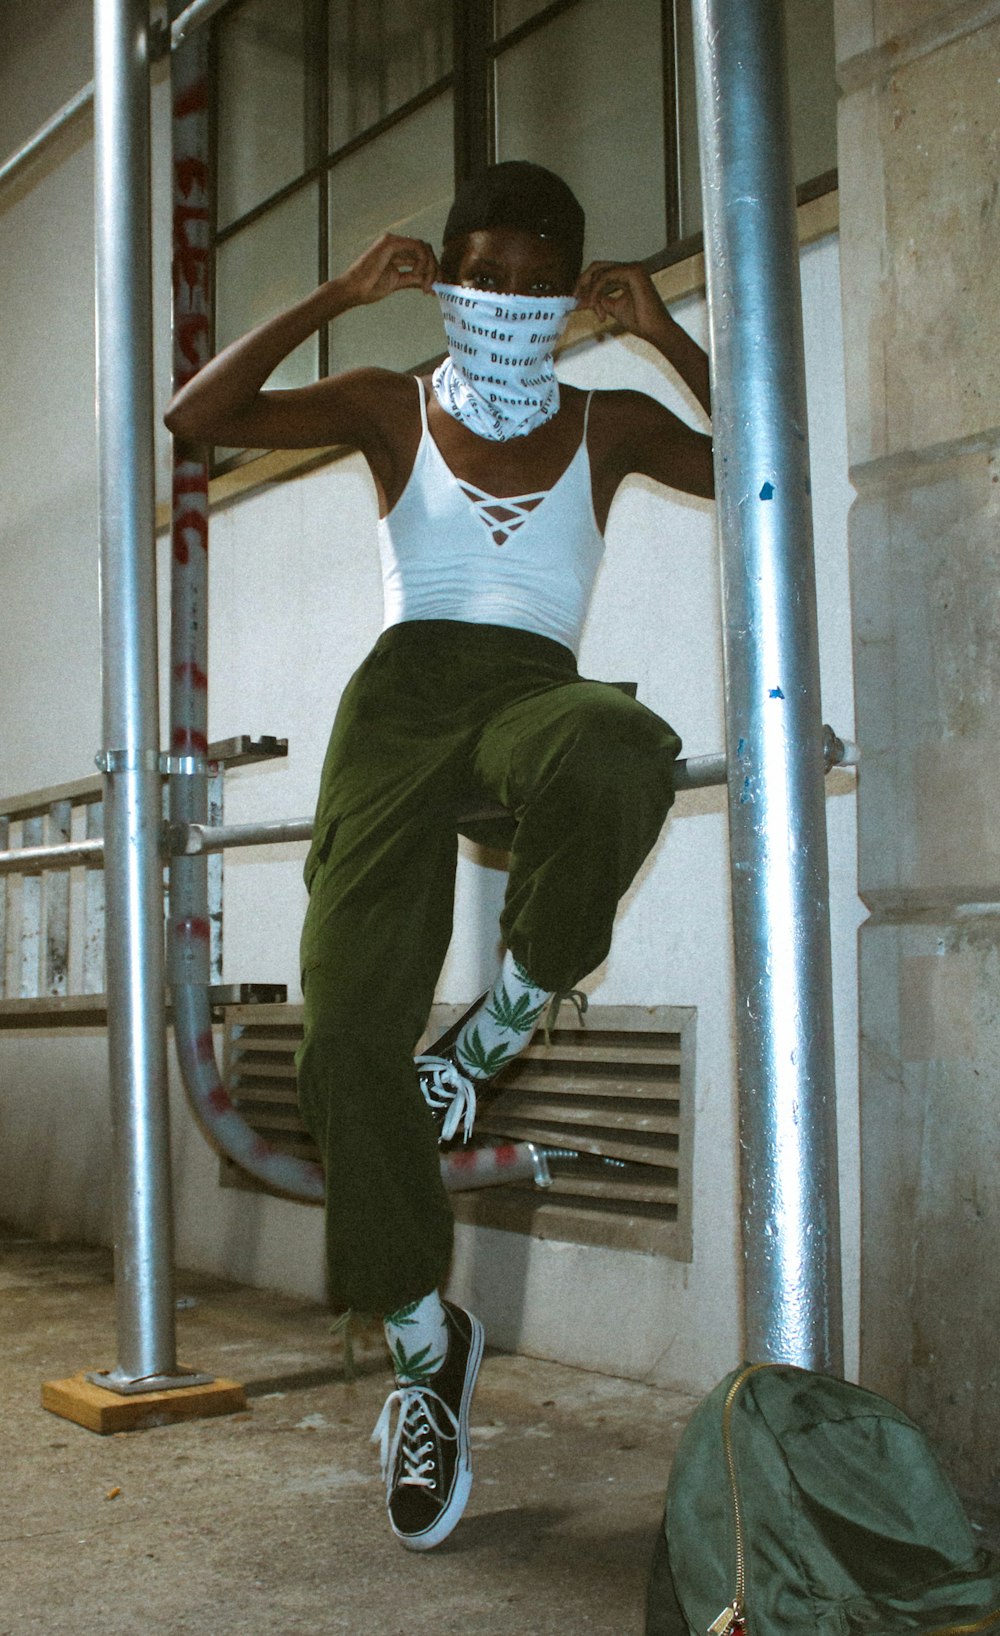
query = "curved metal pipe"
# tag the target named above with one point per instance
(297, 1178)
(215, 1110)
(189, 928)
(189, 834)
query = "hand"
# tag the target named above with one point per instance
(392, 263)
(623, 291)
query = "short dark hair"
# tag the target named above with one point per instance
(519, 194)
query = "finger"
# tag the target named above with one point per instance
(414, 265)
(609, 283)
(588, 278)
(432, 271)
(420, 263)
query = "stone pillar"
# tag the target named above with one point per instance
(919, 142)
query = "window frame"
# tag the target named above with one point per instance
(475, 50)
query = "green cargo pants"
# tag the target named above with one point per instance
(440, 713)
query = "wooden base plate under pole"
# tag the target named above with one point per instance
(101, 1410)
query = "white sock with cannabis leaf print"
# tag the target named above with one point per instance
(417, 1337)
(504, 1023)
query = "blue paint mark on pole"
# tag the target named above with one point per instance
(767, 492)
(776, 693)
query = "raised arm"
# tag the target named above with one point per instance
(651, 438)
(623, 291)
(224, 403)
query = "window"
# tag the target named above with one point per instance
(337, 119)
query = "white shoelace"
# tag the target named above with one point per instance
(446, 1089)
(417, 1426)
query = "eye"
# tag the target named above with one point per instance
(481, 279)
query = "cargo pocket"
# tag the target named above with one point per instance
(319, 851)
(310, 945)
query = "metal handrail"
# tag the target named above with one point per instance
(162, 42)
(63, 116)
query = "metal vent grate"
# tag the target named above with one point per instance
(259, 1074)
(614, 1095)
(610, 1097)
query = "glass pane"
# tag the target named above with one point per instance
(402, 181)
(811, 62)
(510, 14)
(382, 55)
(262, 103)
(263, 269)
(595, 116)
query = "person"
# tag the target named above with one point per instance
(494, 484)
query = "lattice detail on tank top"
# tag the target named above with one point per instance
(501, 517)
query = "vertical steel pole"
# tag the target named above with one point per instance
(130, 760)
(777, 817)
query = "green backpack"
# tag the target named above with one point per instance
(799, 1505)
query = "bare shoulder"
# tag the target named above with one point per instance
(377, 397)
(617, 411)
(374, 410)
(358, 409)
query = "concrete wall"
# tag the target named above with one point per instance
(295, 605)
(920, 143)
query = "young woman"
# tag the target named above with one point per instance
(494, 485)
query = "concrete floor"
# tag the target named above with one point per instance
(273, 1520)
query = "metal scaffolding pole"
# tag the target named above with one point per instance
(30, 150)
(160, 40)
(777, 820)
(130, 757)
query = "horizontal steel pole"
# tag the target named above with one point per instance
(186, 840)
(19, 860)
(694, 773)
(189, 840)
(698, 772)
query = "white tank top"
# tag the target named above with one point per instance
(451, 551)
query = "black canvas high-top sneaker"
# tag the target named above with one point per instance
(426, 1462)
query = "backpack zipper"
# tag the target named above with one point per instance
(967, 1630)
(732, 1620)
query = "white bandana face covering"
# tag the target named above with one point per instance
(499, 379)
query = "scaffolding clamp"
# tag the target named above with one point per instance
(150, 761)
